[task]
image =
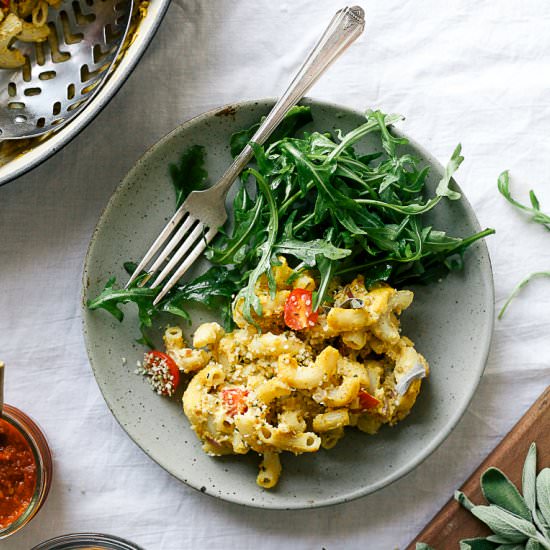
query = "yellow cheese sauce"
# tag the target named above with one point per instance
(268, 389)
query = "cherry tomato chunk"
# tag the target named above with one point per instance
(298, 312)
(234, 400)
(366, 400)
(157, 362)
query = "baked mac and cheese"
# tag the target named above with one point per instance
(268, 389)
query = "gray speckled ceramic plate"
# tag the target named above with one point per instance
(451, 323)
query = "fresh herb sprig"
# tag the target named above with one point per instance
(323, 205)
(537, 216)
(534, 210)
(518, 522)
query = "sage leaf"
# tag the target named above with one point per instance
(542, 526)
(529, 478)
(477, 544)
(533, 544)
(464, 500)
(543, 494)
(510, 547)
(499, 490)
(423, 546)
(499, 539)
(505, 523)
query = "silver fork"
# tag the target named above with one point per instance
(198, 219)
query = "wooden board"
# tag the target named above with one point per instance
(453, 523)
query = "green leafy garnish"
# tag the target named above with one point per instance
(324, 206)
(296, 117)
(189, 175)
(534, 210)
(536, 216)
(517, 522)
(523, 283)
(265, 251)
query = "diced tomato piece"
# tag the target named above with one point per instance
(158, 364)
(234, 400)
(299, 312)
(366, 400)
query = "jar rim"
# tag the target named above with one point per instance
(74, 541)
(34, 436)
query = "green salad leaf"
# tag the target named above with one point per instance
(296, 117)
(323, 204)
(537, 216)
(189, 174)
(534, 210)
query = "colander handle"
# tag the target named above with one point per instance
(346, 25)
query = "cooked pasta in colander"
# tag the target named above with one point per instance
(24, 20)
(279, 390)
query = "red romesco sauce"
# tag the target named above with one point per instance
(17, 474)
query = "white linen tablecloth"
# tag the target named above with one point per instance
(470, 71)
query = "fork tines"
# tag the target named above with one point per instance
(188, 238)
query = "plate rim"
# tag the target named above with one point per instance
(488, 327)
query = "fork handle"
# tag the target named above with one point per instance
(346, 25)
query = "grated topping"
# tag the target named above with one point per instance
(162, 381)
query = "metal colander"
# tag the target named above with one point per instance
(61, 74)
(43, 97)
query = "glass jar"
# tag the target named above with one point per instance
(87, 541)
(43, 460)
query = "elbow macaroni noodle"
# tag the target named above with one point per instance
(24, 20)
(296, 391)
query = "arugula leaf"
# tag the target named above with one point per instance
(534, 210)
(360, 132)
(443, 189)
(537, 216)
(522, 284)
(129, 267)
(324, 206)
(307, 251)
(110, 299)
(297, 116)
(232, 250)
(214, 289)
(189, 174)
(251, 300)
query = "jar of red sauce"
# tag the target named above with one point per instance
(25, 470)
